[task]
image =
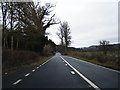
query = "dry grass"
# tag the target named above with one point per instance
(98, 58)
(19, 59)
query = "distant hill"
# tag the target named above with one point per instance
(111, 47)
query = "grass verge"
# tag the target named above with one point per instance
(26, 66)
(111, 66)
(20, 59)
(39, 62)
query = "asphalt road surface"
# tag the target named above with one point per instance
(64, 72)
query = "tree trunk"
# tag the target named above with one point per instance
(17, 46)
(11, 43)
(4, 42)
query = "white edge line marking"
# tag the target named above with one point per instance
(17, 81)
(43, 63)
(87, 80)
(96, 65)
(46, 61)
(27, 74)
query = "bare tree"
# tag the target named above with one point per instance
(36, 19)
(60, 34)
(8, 10)
(30, 19)
(64, 34)
(4, 8)
(67, 33)
(35, 16)
(104, 46)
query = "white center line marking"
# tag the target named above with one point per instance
(72, 72)
(17, 81)
(27, 74)
(33, 70)
(66, 64)
(37, 67)
(81, 75)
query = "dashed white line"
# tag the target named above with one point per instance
(27, 74)
(18, 81)
(46, 61)
(33, 70)
(81, 75)
(72, 72)
(37, 67)
(43, 63)
(66, 64)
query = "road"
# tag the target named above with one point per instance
(64, 72)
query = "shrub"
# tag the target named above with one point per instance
(17, 58)
(100, 57)
(48, 50)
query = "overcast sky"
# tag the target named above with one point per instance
(90, 21)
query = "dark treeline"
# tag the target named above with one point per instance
(24, 37)
(24, 25)
(98, 48)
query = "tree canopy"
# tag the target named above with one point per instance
(25, 24)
